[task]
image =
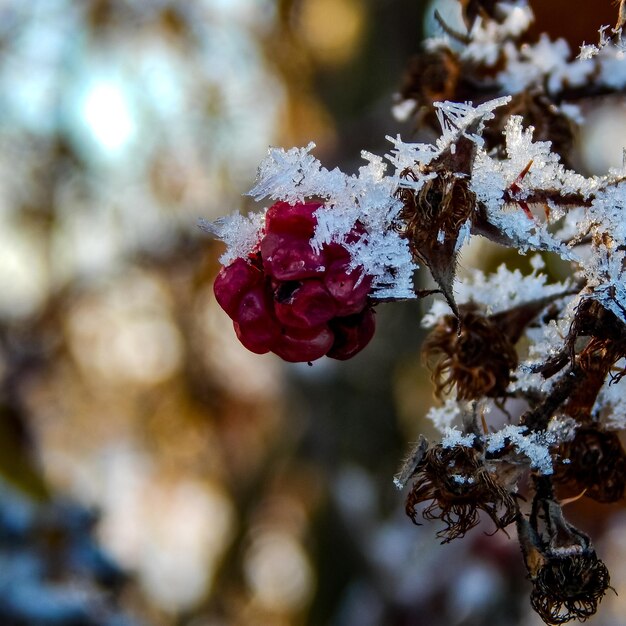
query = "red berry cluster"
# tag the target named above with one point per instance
(291, 300)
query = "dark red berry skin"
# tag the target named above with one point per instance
(257, 327)
(233, 282)
(350, 289)
(296, 345)
(308, 306)
(293, 300)
(287, 258)
(352, 334)
(296, 220)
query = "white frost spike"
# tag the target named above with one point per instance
(406, 155)
(491, 178)
(287, 175)
(587, 51)
(443, 417)
(238, 232)
(456, 118)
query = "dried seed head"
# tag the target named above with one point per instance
(431, 76)
(474, 354)
(597, 463)
(459, 485)
(434, 215)
(568, 578)
(569, 587)
(603, 339)
(592, 319)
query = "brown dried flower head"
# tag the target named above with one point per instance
(433, 216)
(568, 578)
(431, 76)
(595, 342)
(592, 319)
(473, 353)
(569, 586)
(459, 485)
(595, 462)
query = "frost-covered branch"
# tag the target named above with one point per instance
(303, 279)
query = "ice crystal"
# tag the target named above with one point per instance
(612, 67)
(457, 119)
(587, 51)
(462, 480)
(562, 428)
(533, 445)
(291, 175)
(367, 199)
(605, 45)
(463, 119)
(606, 215)
(405, 155)
(610, 406)
(500, 290)
(607, 280)
(491, 178)
(488, 36)
(240, 234)
(454, 437)
(444, 416)
(525, 380)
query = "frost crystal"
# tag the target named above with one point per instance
(462, 480)
(458, 119)
(454, 437)
(443, 417)
(608, 281)
(587, 51)
(610, 406)
(238, 232)
(488, 36)
(367, 199)
(535, 446)
(499, 291)
(492, 178)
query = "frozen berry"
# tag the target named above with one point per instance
(349, 289)
(296, 220)
(305, 305)
(288, 258)
(255, 324)
(233, 282)
(296, 301)
(298, 345)
(352, 334)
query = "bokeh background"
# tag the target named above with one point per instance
(152, 471)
